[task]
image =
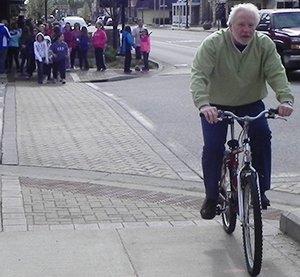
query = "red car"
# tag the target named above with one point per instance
(283, 27)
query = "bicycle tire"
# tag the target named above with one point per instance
(228, 214)
(252, 226)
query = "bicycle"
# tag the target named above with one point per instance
(239, 191)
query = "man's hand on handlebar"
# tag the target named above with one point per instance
(285, 109)
(210, 113)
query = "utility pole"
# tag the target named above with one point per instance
(187, 14)
(164, 9)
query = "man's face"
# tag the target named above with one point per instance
(243, 27)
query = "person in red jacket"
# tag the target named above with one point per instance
(99, 40)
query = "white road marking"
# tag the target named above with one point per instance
(177, 45)
(92, 86)
(142, 119)
(75, 77)
(136, 114)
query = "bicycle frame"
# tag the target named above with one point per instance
(246, 167)
(239, 189)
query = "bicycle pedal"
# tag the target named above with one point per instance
(219, 209)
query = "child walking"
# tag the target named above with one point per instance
(48, 67)
(145, 49)
(59, 51)
(41, 56)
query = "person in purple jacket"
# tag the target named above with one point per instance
(84, 47)
(59, 51)
(67, 31)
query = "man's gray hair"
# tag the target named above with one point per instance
(249, 7)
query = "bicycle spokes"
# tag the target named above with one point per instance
(252, 225)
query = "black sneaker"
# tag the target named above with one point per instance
(265, 202)
(208, 209)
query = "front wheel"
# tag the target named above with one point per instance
(228, 203)
(252, 225)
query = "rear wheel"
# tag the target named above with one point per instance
(252, 225)
(228, 212)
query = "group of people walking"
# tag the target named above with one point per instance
(50, 49)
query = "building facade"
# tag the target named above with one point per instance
(10, 8)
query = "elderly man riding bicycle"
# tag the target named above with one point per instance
(229, 72)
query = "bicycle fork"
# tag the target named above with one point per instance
(244, 173)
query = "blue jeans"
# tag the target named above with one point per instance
(214, 145)
(146, 60)
(99, 56)
(59, 66)
(127, 62)
(41, 70)
(3, 53)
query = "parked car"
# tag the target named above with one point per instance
(75, 19)
(283, 27)
(106, 20)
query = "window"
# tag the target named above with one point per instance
(286, 20)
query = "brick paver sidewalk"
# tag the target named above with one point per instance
(31, 204)
(71, 127)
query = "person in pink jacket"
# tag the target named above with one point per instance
(145, 49)
(99, 40)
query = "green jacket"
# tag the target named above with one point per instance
(223, 75)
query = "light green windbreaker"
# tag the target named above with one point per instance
(223, 75)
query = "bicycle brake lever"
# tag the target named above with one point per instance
(280, 117)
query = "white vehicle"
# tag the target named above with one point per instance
(105, 19)
(75, 19)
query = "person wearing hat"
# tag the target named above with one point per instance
(136, 33)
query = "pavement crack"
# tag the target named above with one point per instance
(127, 254)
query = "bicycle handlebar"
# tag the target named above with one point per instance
(270, 113)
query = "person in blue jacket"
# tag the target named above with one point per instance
(13, 47)
(4, 38)
(127, 44)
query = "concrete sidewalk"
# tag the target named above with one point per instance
(88, 191)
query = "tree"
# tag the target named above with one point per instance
(36, 8)
(86, 11)
(114, 8)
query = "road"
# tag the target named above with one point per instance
(162, 103)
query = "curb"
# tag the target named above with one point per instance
(2, 95)
(289, 223)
